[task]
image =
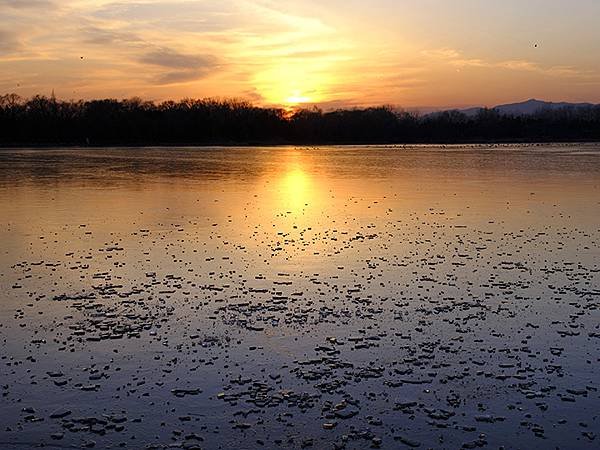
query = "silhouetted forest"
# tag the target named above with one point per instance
(47, 121)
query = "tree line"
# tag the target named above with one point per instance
(41, 120)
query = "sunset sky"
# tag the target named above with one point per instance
(335, 53)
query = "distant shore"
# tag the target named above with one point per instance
(44, 122)
(391, 145)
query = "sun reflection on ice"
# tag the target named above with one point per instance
(296, 189)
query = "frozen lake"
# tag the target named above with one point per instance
(281, 297)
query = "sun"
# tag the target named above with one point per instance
(297, 99)
(292, 85)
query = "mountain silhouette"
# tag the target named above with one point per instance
(528, 107)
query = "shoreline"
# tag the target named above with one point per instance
(501, 143)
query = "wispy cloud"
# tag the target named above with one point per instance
(9, 43)
(457, 59)
(270, 51)
(179, 67)
(106, 36)
(27, 4)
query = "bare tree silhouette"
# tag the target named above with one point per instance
(47, 121)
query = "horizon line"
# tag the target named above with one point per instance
(323, 106)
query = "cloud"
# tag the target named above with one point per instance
(181, 67)
(182, 76)
(442, 53)
(455, 58)
(179, 15)
(102, 36)
(175, 60)
(8, 43)
(25, 4)
(267, 50)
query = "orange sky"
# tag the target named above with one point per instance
(430, 53)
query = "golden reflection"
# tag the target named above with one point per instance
(296, 189)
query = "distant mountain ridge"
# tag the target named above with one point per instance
(528, 107)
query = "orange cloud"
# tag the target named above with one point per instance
(284, 52)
